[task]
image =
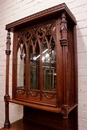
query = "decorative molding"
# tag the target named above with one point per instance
(51, 11)
(49, 95)
(21, 91)
(33, 93)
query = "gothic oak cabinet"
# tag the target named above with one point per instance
(44, 70)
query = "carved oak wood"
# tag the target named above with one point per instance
(44, 70)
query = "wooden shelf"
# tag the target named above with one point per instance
(72, 107)
(37, 106)
(21, 125)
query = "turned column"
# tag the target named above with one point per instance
(7, 97)
(64, 45)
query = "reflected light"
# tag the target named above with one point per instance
(47, 55)
(43, 58)
(35, 57)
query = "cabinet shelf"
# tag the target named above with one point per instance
(42, 107)
(37, 106)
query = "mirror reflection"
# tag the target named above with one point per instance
(49, 66)
(34, 66)
(21, 70)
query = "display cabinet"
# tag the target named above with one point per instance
(44, 70)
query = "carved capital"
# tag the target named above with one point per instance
(6, 98)
(65, 111)
(64, 42)
(8, 52)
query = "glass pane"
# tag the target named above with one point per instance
(21, 70)
(49, 64)
(34, 65)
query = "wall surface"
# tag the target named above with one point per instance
(11, 10)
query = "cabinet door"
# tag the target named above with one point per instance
(35, 51)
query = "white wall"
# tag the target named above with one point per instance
(11, 10)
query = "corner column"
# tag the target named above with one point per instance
(64, 44)
(7, 97)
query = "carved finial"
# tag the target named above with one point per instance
(8, 43)
(63, 18)
(63, 30)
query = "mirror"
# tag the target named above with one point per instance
(21, 59)
(49, 65)
(34, 66)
